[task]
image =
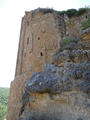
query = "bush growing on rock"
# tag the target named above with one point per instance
(86, 24)
(74, 12)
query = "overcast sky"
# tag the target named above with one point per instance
(11, 12)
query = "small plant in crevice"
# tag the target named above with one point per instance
(68, 43)
(65, 40)
(86, 24)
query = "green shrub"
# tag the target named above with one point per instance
(61, 12)
(86, 24)
(71, 12)
(3, 110)
(81, 11)
(4, 92)
(74, 12)
(65, 41)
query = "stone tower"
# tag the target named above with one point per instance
(39, 40)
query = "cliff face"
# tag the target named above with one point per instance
(52, 80)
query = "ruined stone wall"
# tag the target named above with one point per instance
(40, 38)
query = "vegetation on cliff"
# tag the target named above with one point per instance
(62, 90)
(4, 92)
(69, 12)
(86, 24)
(74, 12)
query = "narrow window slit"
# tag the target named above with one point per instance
(27, 40)
(41, 54)
(86, 16)
(38, 38)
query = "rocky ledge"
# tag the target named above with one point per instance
(62, 90)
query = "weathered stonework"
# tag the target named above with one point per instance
(40, 37)
(39, 40)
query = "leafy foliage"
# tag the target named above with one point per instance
(3, 110)
(81, 11)
(4, 92)
(74, 12)
(67, 43)
(65, 40)
(71, 12)
(86, 24)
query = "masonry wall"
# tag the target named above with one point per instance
(39, 39)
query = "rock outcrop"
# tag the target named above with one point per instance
(58, 94)
(60, 88)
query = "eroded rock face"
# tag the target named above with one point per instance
(58, 93)
(62, 90)
(74, 76)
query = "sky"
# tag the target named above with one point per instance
(11, 13)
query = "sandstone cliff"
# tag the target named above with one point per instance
(52, 80)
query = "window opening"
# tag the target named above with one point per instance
(41, 54)
(38, 38)
(27, 40)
